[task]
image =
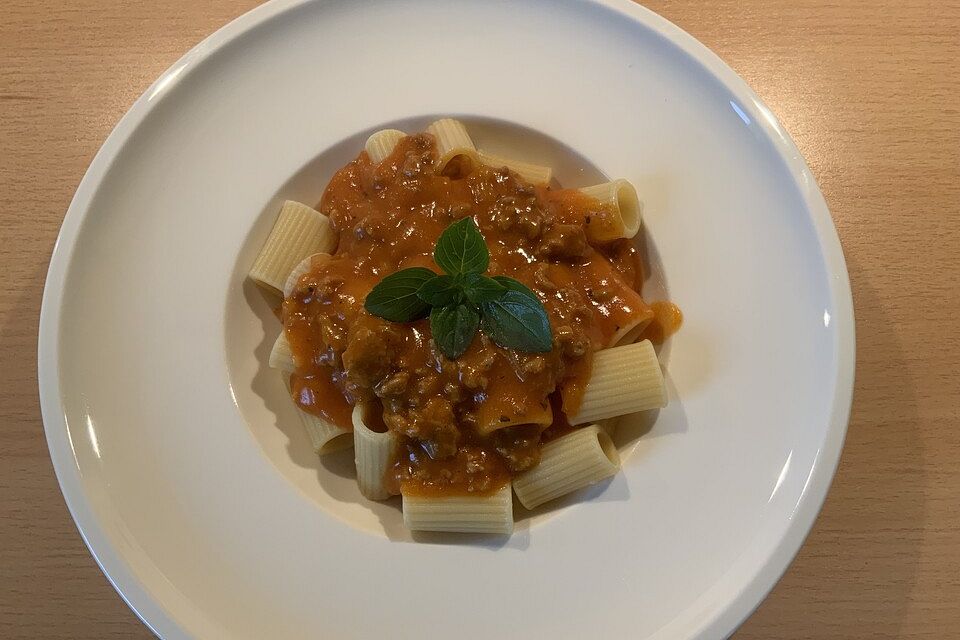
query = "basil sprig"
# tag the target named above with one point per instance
(517, 319)
(461, 250)
(396, 298)
(463, 299)
(453, 328)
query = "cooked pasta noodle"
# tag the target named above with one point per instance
(462, 514)
(533, 173)
(325, 437)
(620, 198)
(573, 461)
(299, 232)
(302, 268)
(453, 142)
(382, 143)
(624, 380)
(628, 333)
(609, 425)
(281, 357)
(372, 452)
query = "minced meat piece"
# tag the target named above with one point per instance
(564, 242)
(373, 344)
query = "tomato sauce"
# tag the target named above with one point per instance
(465, 425)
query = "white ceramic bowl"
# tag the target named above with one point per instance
(162, 420)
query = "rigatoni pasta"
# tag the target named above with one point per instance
(299, 232)
(382, 143)
(281, 356)
(620, 198)
(572, 461)
(373, 452)
(630, 331)
(325, 437)
(532, 173)
(303, 267)
(460, 513)
(625, 380)
(453, 142)
(472, 331)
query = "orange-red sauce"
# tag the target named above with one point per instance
(666, 321)
(448, 413)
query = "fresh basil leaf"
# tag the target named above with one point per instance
(441, 291)
(480, 289)
(517, 321)
(395, 297)
(453, 328)
(514, 285)
(461, 249)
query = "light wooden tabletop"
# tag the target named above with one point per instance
(869, 92)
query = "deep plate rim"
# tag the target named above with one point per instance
(723, 619)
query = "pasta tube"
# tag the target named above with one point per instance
(462, 514)
(299, 232)
(325, 437)
(629, 333)
(281, 356)
(625, 380)
(533, 173)
(305, 265)
(372, 452)
(573, 461)
(382, 143)
(621, 199)
(453, 142)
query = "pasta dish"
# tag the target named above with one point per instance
(470, 329)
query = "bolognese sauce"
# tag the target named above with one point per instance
(466, 426)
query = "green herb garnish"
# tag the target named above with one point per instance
(395, 298)
(453, 328)
(441, 291)
(480, 289)
(463, 300)
(517, 319)
(461, 249)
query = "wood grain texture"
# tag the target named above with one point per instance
(869, 91)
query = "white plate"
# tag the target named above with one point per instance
(161, 419)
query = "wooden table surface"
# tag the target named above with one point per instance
(868, 90)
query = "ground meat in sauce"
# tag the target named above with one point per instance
(462, 423)
(518, 446)
(564, 242)
(373, 345)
